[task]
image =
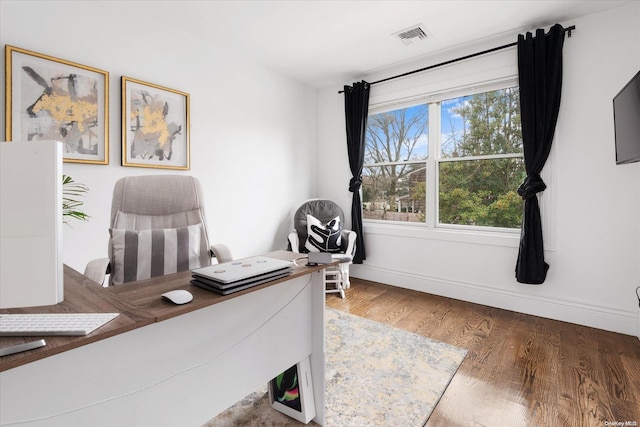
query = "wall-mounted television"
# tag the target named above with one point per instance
(626, 121)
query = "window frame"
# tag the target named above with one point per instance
(432, 228)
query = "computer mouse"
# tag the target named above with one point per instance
(179, 296)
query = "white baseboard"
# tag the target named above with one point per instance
(578, 312)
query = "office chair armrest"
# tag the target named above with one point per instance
(221, 252)
(342, 258)
(97, 269)
(351, 242)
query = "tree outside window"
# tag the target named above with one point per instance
(477, 159)
(396, 151)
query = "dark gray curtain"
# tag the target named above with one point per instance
(540, 74)
(356, 108)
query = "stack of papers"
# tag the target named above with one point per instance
(234, 276)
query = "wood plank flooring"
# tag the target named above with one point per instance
(520, 370)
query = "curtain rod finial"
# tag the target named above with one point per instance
(569, 30)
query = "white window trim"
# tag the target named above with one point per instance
(450, 234)
(485, 157)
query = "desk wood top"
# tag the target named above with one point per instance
(139, 304)
(146, 294)
(81, 295)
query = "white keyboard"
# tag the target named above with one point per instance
(77, 324)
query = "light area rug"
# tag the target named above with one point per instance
(376, 375)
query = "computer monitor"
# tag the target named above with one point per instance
(31, 269)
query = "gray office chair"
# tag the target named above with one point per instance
(323, 231)
(157, 227)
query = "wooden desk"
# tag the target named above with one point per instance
(199, 358)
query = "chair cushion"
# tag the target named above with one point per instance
(131, 221)
(322, 209)
(323, 237)
(142, 254)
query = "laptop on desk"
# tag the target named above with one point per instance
(230, 288)
(237, 275)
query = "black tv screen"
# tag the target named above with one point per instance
(626, 120)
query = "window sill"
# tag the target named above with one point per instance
(510, 238)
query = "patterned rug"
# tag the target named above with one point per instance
(376, 375)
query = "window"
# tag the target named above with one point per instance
(393, 182)
(467, 175)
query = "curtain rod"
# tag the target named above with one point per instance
(462, 58)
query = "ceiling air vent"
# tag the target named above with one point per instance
(412, 35)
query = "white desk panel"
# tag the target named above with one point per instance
(181, 371)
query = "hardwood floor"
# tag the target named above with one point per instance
(520, 370)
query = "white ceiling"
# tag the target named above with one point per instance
(324, 42)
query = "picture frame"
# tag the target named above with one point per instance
(291, 392)
(49, 98)
(155, 126)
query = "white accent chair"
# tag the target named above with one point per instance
(336, 278)
(152, 202)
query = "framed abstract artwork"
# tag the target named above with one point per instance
(291, 392)
(49, 98)
(155, 126)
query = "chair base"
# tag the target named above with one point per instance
(337, 279)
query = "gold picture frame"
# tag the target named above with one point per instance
(155, 126)
(49, 98)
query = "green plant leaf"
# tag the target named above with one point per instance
(71, 190)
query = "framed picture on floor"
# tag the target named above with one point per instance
(155, 126)
(291, 392)
(49, 98)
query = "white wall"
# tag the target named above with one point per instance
(252, 130)
(594, 246)
(256, 135)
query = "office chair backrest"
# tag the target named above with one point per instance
(323, 210)
(160, 202)
(158, 195)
